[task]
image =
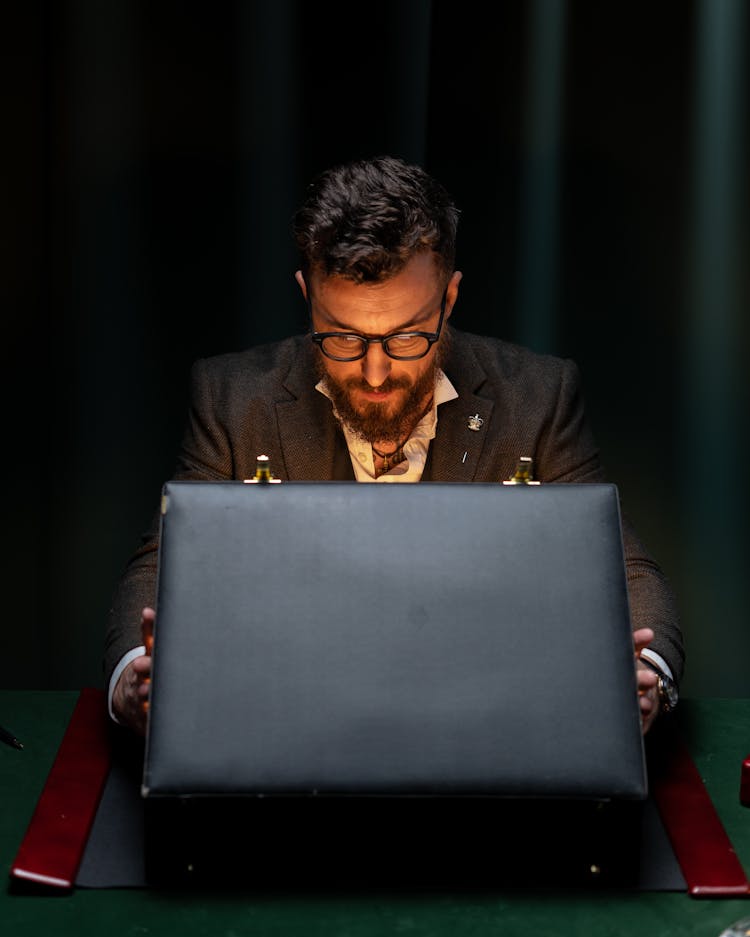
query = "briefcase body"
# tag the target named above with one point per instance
(338, 644)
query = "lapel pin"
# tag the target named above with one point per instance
(475, 422)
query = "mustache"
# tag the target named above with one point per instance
(389, 384)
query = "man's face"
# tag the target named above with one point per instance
(381, 398)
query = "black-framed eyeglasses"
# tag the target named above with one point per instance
(351, 346)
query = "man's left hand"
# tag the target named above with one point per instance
(647, 680)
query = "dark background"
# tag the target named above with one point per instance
(154, 152)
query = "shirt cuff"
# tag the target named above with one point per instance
(116, 673)
(658, 661)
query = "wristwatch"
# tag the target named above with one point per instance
(666, 688)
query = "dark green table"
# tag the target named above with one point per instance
(718, 734)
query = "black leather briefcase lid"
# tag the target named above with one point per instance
(364, 639)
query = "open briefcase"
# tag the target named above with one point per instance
(346, 671)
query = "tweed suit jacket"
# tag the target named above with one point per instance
(263, 400)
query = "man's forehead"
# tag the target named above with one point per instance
(361, 316)
(406, 298)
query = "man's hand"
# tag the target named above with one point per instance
(130, 697)
(646, 679)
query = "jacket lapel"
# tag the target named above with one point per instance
(307, 427)
(462, 423)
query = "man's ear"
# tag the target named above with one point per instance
(302, 285)
(451, 292)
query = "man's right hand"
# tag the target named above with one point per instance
(130, 697)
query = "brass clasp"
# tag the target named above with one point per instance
(524, 473)
(263, 473)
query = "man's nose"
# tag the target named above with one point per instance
(376, 365)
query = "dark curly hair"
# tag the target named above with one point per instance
(365, 220)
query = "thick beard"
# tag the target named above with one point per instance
(372, 421)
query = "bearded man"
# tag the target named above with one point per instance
(386, 391)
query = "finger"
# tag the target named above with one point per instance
(142, 691)
(645, 674)
(141, 668)
(646, 689)
(642, 638)
(148, 616)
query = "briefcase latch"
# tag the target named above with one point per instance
(524, 473)
(263, 473)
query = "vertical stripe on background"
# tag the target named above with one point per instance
(540, 192)
(714, 426)
(268, 145)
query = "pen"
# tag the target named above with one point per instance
(9, 738)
